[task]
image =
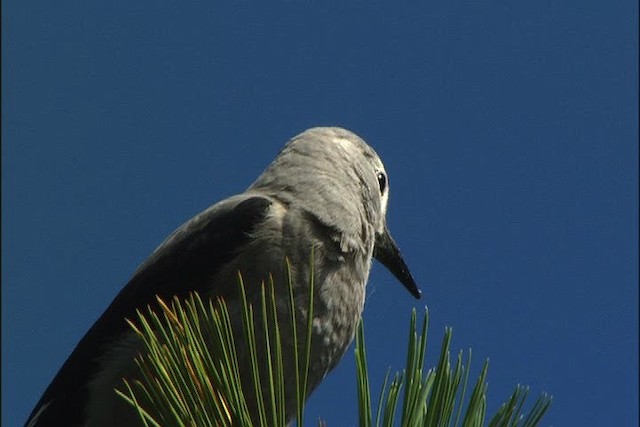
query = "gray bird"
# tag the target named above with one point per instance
(326, 189)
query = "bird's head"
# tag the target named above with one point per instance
(336, 176)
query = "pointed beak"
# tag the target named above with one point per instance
(386, 251)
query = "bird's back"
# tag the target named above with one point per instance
(109, 348)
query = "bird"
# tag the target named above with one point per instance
(326, 190)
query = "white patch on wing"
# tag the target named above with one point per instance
(34, 420)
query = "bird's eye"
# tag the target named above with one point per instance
(382, 181)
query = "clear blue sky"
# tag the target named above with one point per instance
(509, 131)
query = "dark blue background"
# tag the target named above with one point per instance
(509, 131)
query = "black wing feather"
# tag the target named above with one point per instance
(182, 268)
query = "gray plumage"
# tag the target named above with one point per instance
(326, 189)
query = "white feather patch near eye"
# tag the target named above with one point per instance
(344, 143)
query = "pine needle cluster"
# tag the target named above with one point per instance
(190, 375)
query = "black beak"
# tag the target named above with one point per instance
(386, 251)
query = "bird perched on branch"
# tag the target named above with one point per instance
(327, 190)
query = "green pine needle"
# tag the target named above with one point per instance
(190, 375)
(432, 398)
